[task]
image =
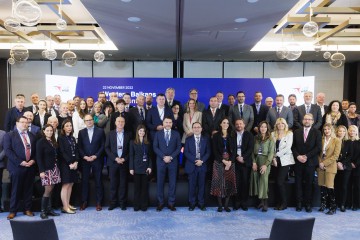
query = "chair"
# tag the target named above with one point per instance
(39, 230)
(294, 229)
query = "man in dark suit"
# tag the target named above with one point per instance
(127, 99)
(279, 111)
(292, 102)
(170, 101)
(320, 101)
(243, 111)
(2, 165)
(137, 115)
(197, 151)
(193, 94)
(91, 148)
(13, 113)
(31, 128)
(244, 150)
(148, 101)
(260, 112)
(211, 117)
(156, 115)
(50, 106)
(306, 149)
(167, 146)
(117, 150)
(220, 96)
(307, 107)
(19, 146)
(35, 101)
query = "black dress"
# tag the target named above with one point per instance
(68, 154)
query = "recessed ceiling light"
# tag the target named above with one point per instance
(252, 1)
(137, 27)
(241, 20)
(126, 1)
(134, 19)
(236, 28)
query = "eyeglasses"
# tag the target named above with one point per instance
(88, 120)
(194, 93)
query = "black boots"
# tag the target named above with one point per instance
(44, 206)
(50, 210)
(332, 201)
(324, 196)
(265, 207)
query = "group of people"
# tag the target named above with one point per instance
(234, 146)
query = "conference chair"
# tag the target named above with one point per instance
(294, 229)
(30, 230)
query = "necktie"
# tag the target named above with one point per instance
(126, 109)
(27, 146)
(307, 108)
(213, 112)
(167, 137)
(142, 114)
(241, 111)
(306, 131)
(278, 112)
(257, 108)
(197, 147)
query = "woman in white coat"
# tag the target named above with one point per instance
(78, 118)
(283, 158)
(191, 116)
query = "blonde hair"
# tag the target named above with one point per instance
(356, 130)
(329, 125)
(346, 137)
(278, 121)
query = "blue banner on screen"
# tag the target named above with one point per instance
(68, 87)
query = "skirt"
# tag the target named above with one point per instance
(52, 177)
(223, 183)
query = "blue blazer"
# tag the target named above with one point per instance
(111, 148)
(153, 119)
(160, 148)
(190, 153)
(15, 150)
(34, 129)
(96, 147)
(2, 150)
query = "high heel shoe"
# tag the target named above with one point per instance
(72, 208)
(68, 211)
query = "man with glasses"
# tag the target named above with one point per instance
(306, 148)
(91, 142)
(242, 111)
(193, 94)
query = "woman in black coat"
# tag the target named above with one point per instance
(355, 164)
(68, 158)
(334, 115)
(140, 167)
(46, 158)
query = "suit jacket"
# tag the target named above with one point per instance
(311, 148)
(210, 123)
(96, 147)
(285, 153)
(113, 117)
(10, 119)
(36, 120)
(173, 148)
(218, 147)
(135, 119)
(2, 150)
(111, 148)
(224, 107)
(35, 129)
(45, 155)
(332, 152)
(247, 148)
(248, 115)
(65, 153)
(187, 124)
(356, 158)
(285, 113)
(261, 116)
(15, 150)
(190, 153)
(153, 119)
(300, 112)
(136, 161)
(346, 154)
(181, 110)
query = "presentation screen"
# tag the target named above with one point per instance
(68, 87)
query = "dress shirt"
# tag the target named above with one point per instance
(161, 112)
(90, 133)
(120, 142)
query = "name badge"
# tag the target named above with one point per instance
(238, 150)
(28, 146)
(120, 147)
(144, 158)
(73, 155)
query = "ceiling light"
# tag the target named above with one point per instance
(126, 1)
(252, 1)
(134, 19)
(241, 20)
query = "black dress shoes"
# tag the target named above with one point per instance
(298, 207)
(191, 208)
(202, 208)
(227, 209)
(244, 208)
(219, 209)
(111, 207)
(342, 208)
(83, 206)
(308, 208)
(159, 208)
(172, 208)
(123, 207)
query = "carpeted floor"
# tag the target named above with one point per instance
(182, 224)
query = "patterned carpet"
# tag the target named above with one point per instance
(182, 224)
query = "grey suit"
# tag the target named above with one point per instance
(300, 112)
(285, 113)
(248, 115)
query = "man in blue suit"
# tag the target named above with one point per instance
(197, 151)
(31, 128)
(91, 148)
(167, 146)
(13, 113)
(19, 146)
